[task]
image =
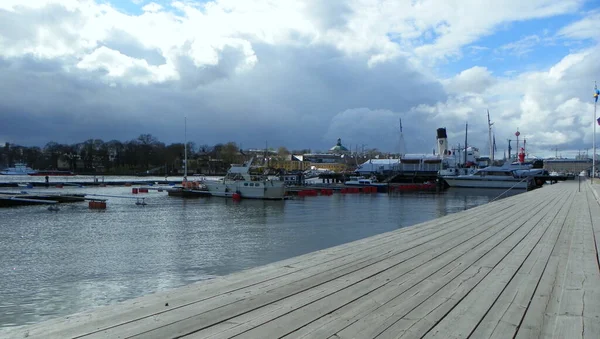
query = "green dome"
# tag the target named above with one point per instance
(338, 148)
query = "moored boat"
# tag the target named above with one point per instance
(494, 177)
(19, 169)
(238, 182)
(362, 181)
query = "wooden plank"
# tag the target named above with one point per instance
(501, 259)
(579, 309)
(323, 305)
(423, 315)
(505, 315)
(591, 268)
(539, 319)
(569, 320)
(462, 319)
(592, 293)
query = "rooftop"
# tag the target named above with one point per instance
(338, 148)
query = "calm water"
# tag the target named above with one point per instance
(55, 264)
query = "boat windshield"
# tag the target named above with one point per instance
(495, 173)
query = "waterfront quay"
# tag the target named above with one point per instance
(522, 266)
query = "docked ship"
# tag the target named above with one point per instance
(238, 182)
(496, 177)
(19, 169)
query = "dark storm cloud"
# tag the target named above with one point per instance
(192, 76)
(292, 94)
(289, 98)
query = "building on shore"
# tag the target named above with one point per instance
(566, 166)
(339, 148)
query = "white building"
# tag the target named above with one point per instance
(378, 166)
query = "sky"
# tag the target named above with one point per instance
(302, 73)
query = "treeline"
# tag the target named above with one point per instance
(143, 155)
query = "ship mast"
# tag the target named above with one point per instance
(490, 136)
(466, 132)
(401, 144)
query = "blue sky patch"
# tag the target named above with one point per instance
(531, 45)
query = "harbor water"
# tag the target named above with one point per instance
(58, 263)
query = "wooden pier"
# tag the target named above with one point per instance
(526, 266)
(12, 199)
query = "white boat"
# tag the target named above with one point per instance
(362, 181)
(314, 172)
(19, 169)
(454, 171)
(238, 180)
(494, 177)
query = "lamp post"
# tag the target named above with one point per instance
(517, 133)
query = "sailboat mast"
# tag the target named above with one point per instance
(490, 136)
(185, 149)
(401, 145)
(466, 132)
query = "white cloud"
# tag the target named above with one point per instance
(119, 66)
(152, 7)
(473, 80)
(523, 46)
(586, 28)
(425, 30)
(445, 21)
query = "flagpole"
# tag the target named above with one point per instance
(594, 142)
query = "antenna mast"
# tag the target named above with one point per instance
(185, 148)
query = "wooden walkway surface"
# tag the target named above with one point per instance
(525, 266)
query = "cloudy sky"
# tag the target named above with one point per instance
(301, 73)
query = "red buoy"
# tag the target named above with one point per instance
(236, 196)
(97, 205)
